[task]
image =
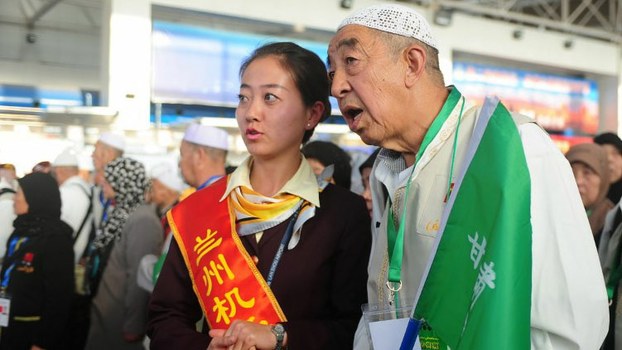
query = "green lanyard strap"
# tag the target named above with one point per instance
(395, 238)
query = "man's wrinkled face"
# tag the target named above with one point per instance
(187, 157)
(368, 82)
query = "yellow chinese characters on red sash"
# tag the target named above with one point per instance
(224, 277)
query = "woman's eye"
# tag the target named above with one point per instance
(270, 97)
(331, 76)
(350, 60)
(242, 98)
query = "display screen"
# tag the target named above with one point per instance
(562, 105)
(196, 65)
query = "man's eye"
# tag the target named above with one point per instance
(350, 60)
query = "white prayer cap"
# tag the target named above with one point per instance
(168, 176)
(206, 135)
(66, 158)
(395, 19)
(113, 140)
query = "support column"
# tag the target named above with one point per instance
(126, 61)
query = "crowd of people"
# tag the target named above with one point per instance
(115, 224)
(469, 214)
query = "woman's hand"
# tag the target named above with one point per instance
(219, 340)
(244, 335)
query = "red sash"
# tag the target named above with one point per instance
(224, 277)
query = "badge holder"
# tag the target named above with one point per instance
(5, 308)
(386, 326)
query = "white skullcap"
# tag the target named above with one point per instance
(66, 158)
(168, 176)
(206, 135)
(395, 19)
(113, 140)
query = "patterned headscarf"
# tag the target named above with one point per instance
(128, 179)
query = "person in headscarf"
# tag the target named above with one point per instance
(37, 273)
(119, 311)
(321, 154)
(42, 167)
(365, 169)
(125, 181)
(613, 146)
(590, 169)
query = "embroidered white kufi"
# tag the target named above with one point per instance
(395, 19)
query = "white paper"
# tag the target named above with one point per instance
(387, 335)
(5, 307)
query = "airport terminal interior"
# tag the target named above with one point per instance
(72, 69)
(150, 75)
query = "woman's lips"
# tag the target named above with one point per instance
(252, 134)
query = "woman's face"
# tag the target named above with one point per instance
(271, 114)
(20, 206)
(615, 163)
(365, 173)
(588, 182)
(316, 166)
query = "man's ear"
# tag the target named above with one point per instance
(199, 152)
(416, 58)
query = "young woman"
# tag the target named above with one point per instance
(270, 255)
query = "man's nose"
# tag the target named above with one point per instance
(339, 84)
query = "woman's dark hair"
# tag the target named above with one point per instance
(307, 70)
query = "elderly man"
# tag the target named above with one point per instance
(76, 194)
(109, 147)
(203, 152)
(202, 155)
(488, 237)
(166, 187)
(77, 211)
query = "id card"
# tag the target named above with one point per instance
(386, 327)
(5, 307)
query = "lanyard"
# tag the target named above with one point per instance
(395, 240)
(14, 246)
(105, 204)
(284, 242)
(209, 181)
